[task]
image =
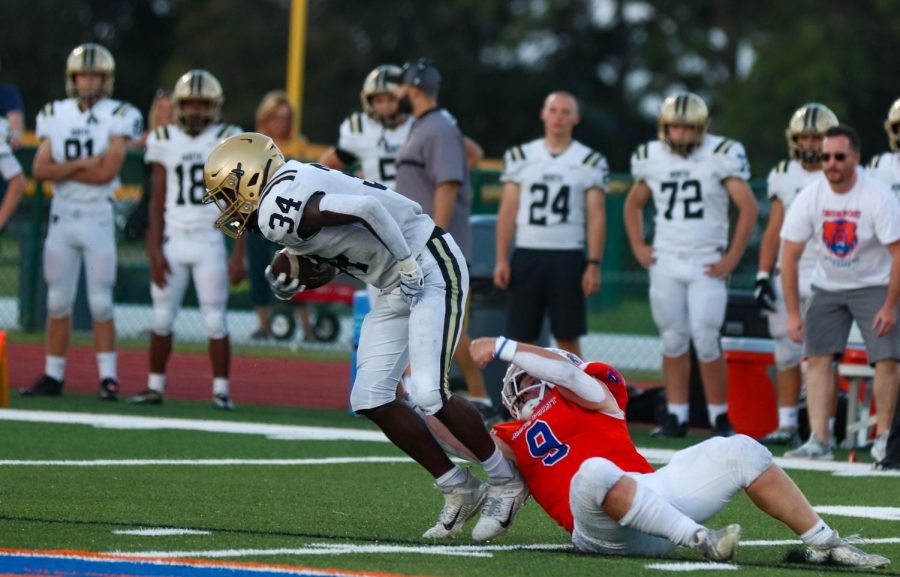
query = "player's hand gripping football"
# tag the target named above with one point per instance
(411, 281)
(283, 286)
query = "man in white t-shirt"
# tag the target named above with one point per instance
(855, 222)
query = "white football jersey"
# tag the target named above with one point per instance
(785, 181)
(9, 164)
(691, 201)
(886, 168)
(374, 145)
(183, 156)
(74, 133)
(552, 191)
(352, 248)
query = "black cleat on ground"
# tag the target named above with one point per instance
(109, 390)
(46, 386)
(722, 427)
(671, 429)
(887, 465)
(147, 397)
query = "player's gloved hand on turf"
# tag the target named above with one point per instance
(283, 287)
(411, 280)
(764, 293)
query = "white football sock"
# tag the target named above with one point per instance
(651, 514)
(787, 417)
(157, 382)
(713, 411)
(55, 367)
(680, 410)
(455, 476)
(496, 466)
(220, 386)
(106, 363)
(818, 535)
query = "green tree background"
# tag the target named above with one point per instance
(753, 62)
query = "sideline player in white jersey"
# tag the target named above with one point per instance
(690, 175)
(11, 172)
(886, 166)
(182, 240)
(382, 238)
(805, 132)
(82, 151)
(553, 201)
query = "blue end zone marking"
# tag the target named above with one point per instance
(35, 565)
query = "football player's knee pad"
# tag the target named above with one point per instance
(163, 319)
(707, 345)
(788, 353)
(370, 392)
(59, 305)
(214, 321)
(428, 399)
(746, 458)
(101, 305)
(674, 343)
(595, 478)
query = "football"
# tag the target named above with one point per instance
(312, 275)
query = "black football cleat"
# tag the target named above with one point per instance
(46, 386)
(109, 390)
(671, 429)
(723, 427)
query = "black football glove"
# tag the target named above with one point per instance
(764, 293)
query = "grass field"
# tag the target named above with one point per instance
(364, 513)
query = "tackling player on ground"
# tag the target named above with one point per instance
(571, 442)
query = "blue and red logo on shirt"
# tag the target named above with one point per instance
(840, 237)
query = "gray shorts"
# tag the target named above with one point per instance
(830, 315)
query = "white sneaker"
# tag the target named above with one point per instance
(879, 448)
(812, 449)
(460, 503)
(839, 551)
(503, 500)
(717, 545)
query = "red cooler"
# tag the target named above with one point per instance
(752, 406)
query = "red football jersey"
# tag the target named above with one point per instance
(560, 435)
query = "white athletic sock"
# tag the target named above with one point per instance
(455, 476)
(55, 367)
(220, 386)
(680, 410)
(157, 382)
(787, 417)
(496, 466)
(818, 535)
(651, 514)
(831, 426)
(713, 411)
(106, 363)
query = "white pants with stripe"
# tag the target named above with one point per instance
(424, 337)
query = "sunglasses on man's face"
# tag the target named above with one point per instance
(838, 156)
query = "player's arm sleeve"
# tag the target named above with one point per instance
(347, 148)
(374, 215)
(731, 161)
(153, 149)
(41, 124)
(887, 219)
(562, 373)
(772, 191)
(129, 123)
(639, 164)
(512, 164)
(798, 225)
(599, 175)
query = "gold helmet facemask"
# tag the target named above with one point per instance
(382, 80)
(892, 126)
(683, 108)
(90, 58)
(202, 86)
(812, 118)
(236, 172)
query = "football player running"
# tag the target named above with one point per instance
(690, 175)
(805, 132)
(82, 150)
(182, 241)
(378, 236)
(571, 442)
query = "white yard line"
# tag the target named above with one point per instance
(207, 462)
(692, 566)
(150, 532)
(347, 549)
(300, 432)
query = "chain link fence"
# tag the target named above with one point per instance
(620, 324)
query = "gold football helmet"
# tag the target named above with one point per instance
(382, 80)
(683, 108)
(91, 58)
(197, 85)
(892, 126)
(236, 173)
(811, 118)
